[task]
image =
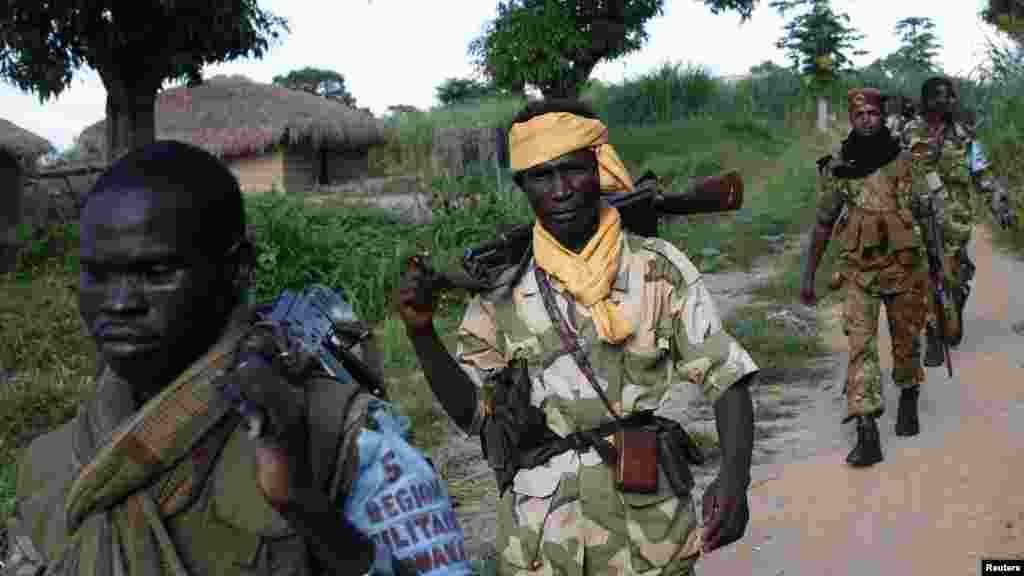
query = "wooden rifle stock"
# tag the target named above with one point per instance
(640, 210)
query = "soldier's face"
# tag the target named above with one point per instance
(867, 120)
(941, 100)
(565, 194)
(149, 295)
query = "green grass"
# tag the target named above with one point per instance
(775, 346)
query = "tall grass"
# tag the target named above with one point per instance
(1003, 130)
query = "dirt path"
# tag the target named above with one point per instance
(939, 501)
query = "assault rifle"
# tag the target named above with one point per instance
(640, 210)
(927, 211)
(317, 322)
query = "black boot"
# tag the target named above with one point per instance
(933, 354)
(906, 418)
(868, 450)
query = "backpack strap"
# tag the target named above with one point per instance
(336, 412)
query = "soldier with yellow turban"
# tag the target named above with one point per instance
(865, 204)
(600, 324)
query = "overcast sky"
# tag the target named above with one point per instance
(398, 51)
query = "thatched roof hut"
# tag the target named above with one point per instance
(19, 151)
(270, 136)
(21, 144)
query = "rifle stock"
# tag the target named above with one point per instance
(640, 210)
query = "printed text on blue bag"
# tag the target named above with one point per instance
(422, 526)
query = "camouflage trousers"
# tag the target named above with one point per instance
(954, 279)
(588, 528)
(906, 317)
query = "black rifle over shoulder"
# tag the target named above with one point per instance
(641, 211)
(927, 211)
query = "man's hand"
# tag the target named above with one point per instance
(416, 297)
(725, 514)
(270, 372)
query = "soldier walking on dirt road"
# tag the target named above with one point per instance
(938, 143)
(596, 328)
(865, 197)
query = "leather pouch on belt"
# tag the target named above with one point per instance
(675, 456)
(637, 468)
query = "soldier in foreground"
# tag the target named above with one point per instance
(870, 185)
(155, 475)
(570, 362)
(947, 148)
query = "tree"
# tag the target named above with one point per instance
(134, 45)
(1007, 16)
(555, 44)
(919, 45)
(817, 41)
(317, 81)
(457, 90)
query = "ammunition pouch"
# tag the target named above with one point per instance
(516, 436)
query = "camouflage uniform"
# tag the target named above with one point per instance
(883, 263)
(953, 167)
(566, 517)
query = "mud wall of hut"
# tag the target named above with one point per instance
(301, 169)
(257, 174)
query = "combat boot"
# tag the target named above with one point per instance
(868, 450)
(906, 418)
(933, 354)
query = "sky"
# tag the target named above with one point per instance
(397, 51)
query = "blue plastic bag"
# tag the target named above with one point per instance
(400, 501)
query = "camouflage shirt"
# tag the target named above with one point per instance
(948, 154)
(678, 338)
(873, 225)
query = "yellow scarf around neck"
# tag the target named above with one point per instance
(589, 275)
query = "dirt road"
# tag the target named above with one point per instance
(941, 500)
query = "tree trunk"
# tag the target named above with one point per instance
(823, 119)
(131, 118)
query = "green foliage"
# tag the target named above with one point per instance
(178, 39)
(555, 44)
(919, 45)
(745, 8)
(818, 40)
(326, 83)
(462, 91)
(1007, 16)
(410, 134)
(1002, 131)
(667, 94)
(775, 346)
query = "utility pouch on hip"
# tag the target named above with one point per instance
(637, 468)
(675, 457)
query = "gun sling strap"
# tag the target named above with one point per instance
(680, 448)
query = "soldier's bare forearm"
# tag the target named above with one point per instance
(450, 384)
(734, 420)
(820, 236)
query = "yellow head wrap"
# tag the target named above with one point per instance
(589, 275)
(548, 136)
